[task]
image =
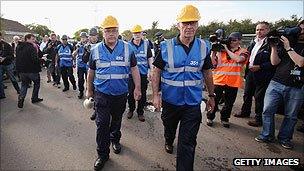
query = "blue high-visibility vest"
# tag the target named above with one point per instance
(80, 63)
(65, 55)
(112, 69)
(141, 56)
(182, 77)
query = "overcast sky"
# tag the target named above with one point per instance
(66, 17)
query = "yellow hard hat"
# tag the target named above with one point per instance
(109, 22)
(188, 13)
(137, 28)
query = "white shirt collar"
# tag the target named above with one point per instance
(258, 40)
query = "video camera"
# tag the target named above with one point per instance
(291, 33)
(217, 40)
(87, 47)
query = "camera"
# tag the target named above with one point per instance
(291, 33)
(298, 74)
(87, 47)
(78, 45)
(217, 40)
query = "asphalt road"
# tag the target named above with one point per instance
(57, 134)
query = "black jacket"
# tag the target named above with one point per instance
(262, 58)
(52, 50)
(27, 60)
(6, 51)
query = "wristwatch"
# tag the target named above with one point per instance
(211, 95)
(290, 49)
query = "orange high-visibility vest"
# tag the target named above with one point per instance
(228, 72)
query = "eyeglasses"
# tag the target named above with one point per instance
(111, 31)
(190, 23)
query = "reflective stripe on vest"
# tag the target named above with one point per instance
(182, 83)
(66, 58)
(112, 76)
(64, 53)
(226, 73)
(171, 68)
(100, 64)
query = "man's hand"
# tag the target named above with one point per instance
(285, 42)
(156, 102)
(137, 94)
(89, 93)
(210, 104)
(2, 59)
(254, 68)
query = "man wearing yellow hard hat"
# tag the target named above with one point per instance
(183, 66)
(110, 64)
(144, 59)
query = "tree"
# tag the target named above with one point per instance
(41, 30)
(127, 35)
(294, 20)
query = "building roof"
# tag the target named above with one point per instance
(13, 26)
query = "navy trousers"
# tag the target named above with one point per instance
(190, 118)
(109, 110)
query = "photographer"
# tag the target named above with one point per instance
(81, 65)
(258, 74)
(50, 49)
(227, 76)
(286, 87)
(159, 38)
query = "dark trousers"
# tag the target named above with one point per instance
(109, 110)
(143, 100)
(67, 72)
(82, 75)
(26, 78)
(190, 118)
(229, 95)
(257, 90)
(9, 69)
(55, 72)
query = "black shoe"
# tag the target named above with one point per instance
(65, 89)
(116, 147)
(209, 122)
(169, 148)
(287, 145)
(74, 87)
(141, 118)
(93, 117)
(48, 81)
(37, 100)
(2, 97)
(80, 96)
(99, 163)
(261, 140)
(254, 123)
(225, 124)
(20, 102)
(241, 115)
(129, 115)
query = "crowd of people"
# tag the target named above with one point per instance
(115, 73)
